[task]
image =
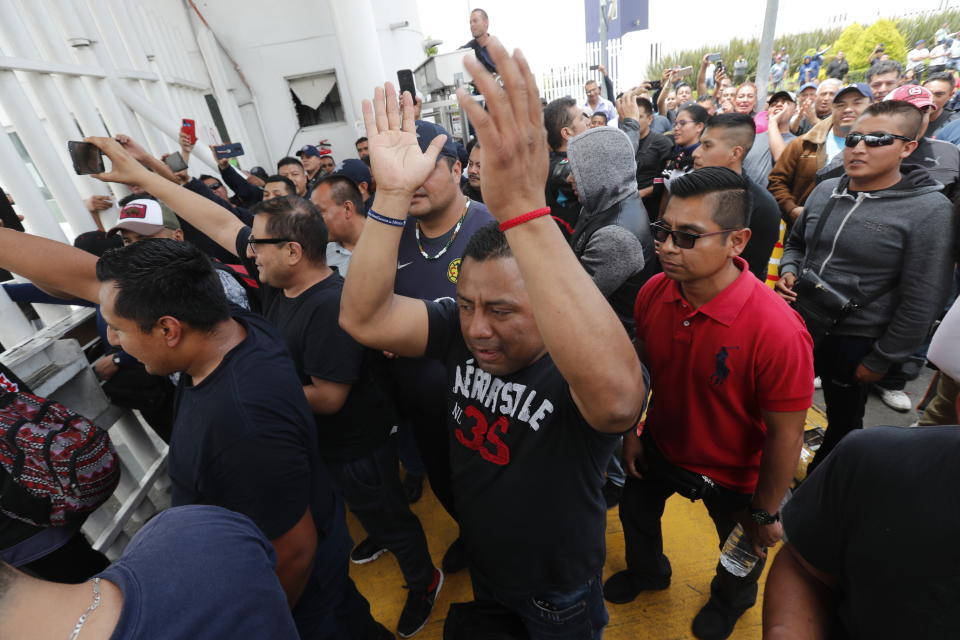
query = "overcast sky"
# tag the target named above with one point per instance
(551, 32)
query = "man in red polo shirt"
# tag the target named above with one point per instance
(731, 369)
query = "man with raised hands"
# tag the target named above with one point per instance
(542, 378)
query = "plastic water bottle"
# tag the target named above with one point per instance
(737, 555)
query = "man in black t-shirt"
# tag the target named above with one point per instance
(480, 30)
(872, 549)
(652, 154)
(243, 435)
(563, 119)
(725, 142)
(300, 295)
(541, 378)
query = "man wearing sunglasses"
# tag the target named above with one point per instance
(727, 425)
(887, 242)
(795, 174)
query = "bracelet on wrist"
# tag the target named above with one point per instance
(393, 222)
(524, 217)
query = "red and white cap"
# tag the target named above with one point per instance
(916, 95)
(146, 217)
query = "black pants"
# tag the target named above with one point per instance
(429, 424)
(641, 509)
(835, 360)
(372, 490)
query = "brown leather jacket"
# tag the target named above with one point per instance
(794, 175)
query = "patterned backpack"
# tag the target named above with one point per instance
(56, 467)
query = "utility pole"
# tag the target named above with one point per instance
(766, 50)
(604, 57)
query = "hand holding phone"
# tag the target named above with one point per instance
(713, 57)
(87, 159)
(175, 162)
(405, 80)
(189, 127)
(225, 151)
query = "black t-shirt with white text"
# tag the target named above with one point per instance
(309, 324)
(527, 469)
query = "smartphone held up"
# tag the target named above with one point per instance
(87, 158)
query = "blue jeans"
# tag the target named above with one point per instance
(579, 614)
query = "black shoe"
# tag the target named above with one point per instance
(366, 551)
(623, 587)
(413, 487)
(715, 621)
(455, 559)
(612, 493)
(419, 605)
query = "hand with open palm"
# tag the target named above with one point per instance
(396, 161)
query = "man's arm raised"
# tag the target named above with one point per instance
(51, 265)
(369, 309)
(582, 333)
(211, 219)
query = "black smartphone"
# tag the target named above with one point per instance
(86, 158)
(225, 151)
(405, 79)
(175, 162)
(719, 66)
(655, 85)
(594, 67)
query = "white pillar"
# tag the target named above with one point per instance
(14, 326)
(30, 129)
(213, 59)
(360, 55)
(38, 219)
(163, 122)
(62, 125)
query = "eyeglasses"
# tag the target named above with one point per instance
(874, 139)
(214, 186)
(253, 242)
(681, 123)
(681, 239)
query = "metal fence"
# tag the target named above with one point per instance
(568, 80)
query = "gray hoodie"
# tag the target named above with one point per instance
(903, 235)
(612, 237)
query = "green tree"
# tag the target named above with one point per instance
(847, 42)
(882, 31)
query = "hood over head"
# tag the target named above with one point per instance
(603, 164)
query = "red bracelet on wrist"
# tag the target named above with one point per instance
(525, 217)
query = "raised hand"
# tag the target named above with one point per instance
(511, 132)
(397, 164)
(132, 147)
(124, 167)
(627, 106)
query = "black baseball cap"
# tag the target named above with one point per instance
(427, 131)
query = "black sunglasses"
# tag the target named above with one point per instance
(682, 239)
(874, 139)
(253, 242)
(214, 186)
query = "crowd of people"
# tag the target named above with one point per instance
(597, 303)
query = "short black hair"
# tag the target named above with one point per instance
(705, 98)
(207, 176)
(941, 76)
(159, 277)
(473, 144)
(882, 67)
(343, 189)
(912, 116)
(487, 243)
(125, 200)
(601, 114)
(359, 140)
(697, 113)
(731, 196)
(738, 127)
(646, 105)
(297, 219)
(289, 160)
(291, 188)
(556, 116)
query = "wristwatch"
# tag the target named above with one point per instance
(116, 359)
(761, 517)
